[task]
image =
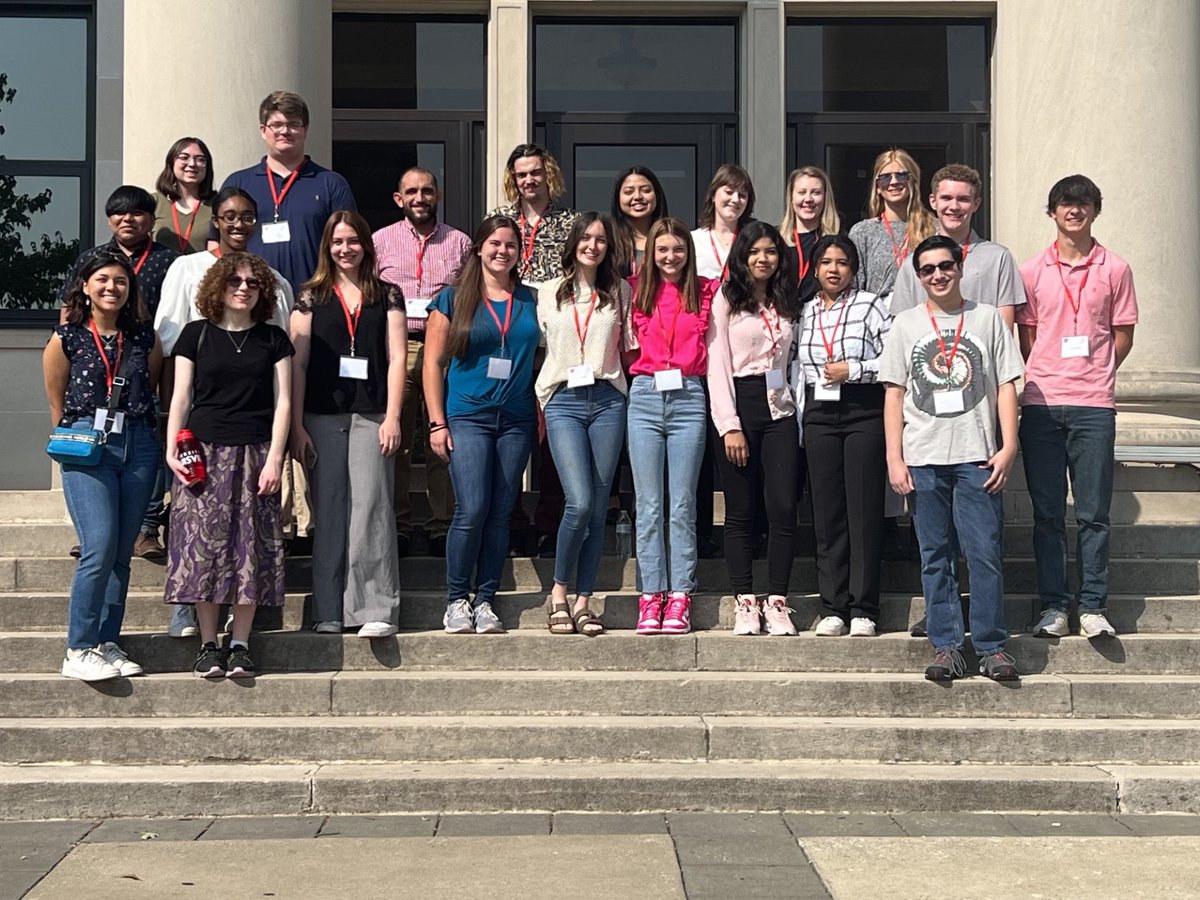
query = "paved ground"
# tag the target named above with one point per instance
(583, 856)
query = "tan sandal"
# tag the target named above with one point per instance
(586, 622)
(560, 617)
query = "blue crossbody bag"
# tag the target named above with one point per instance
(83, 447)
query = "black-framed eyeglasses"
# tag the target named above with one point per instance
(946, 265)
(883, 179)
(233, 282)
(232, 218)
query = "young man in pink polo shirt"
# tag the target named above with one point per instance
(1076, 329)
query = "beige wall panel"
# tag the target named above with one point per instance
(509, 97)
(764, 121)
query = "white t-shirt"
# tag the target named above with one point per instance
(990, 276)
(710, 255)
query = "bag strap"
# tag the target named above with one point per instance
(114, 396)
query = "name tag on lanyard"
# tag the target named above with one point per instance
(580, 376)
(352, 367)
(668, 380)
(499, 368)
(775, 380)
(276, 232)
(416, 309)
(947, 403)
(830, 392)
(1076, 346)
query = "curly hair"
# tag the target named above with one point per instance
(210, 296)
(79, 308)
(554, 176)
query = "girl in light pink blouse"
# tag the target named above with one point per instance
(666, 421)
(753, 321)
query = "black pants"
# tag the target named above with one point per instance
(767, 481)
(847, 464)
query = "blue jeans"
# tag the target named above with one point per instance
(586, 430)
(951, 500)
(107, 502)
(491, 450)
(666, 430)
(1056, 440)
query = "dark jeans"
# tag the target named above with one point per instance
(767, 481)
(847, 468)
(1055, 441)
(951, 500)
(491, 450)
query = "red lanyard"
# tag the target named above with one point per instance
(805, 264)
(527, 247)
(421, 241)
(966, 247)
(1077, 299)
(582, 331)
(827, 340)
(351, 319)
(717, 254)
(948, 358)
(774, 332)
(507, 317)
(110, 369)
(216, 252)
(278, 195)
(897, 255)
(137, 266)
(662, 324)
(186, 236)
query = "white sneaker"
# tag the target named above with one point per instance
(115, 656)
(1053, 624)
(775, 611)
(831, 626)
(377, 630)
(861, 626)
(88, 665)
(1095, 624)
(183, 622)
(328, 628)
(747, 617)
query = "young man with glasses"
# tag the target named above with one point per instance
(1076, 330)
(950, 366)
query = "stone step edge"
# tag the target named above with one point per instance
(426, 595)
(58, 791)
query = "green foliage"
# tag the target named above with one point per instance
(29, 274)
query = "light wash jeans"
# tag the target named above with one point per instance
(586, 429)
(666, 448)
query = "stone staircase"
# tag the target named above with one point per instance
(529, 721)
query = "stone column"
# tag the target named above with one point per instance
(764, 116)
(509, 94)
(203, 69)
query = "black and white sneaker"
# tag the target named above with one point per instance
(238, 664)
(210, 663)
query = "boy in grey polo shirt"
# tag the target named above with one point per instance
(990, 274)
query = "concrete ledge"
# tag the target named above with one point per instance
(1155, 789)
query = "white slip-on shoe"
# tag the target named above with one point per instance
(1095, 624)
(830, 626)
(88, 665)
(861, 626)
(377, 630)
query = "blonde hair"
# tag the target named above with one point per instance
(919, 219)
(831, 222)
(554, 176)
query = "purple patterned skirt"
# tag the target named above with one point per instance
(226, 542)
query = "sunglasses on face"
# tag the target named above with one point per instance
(233, 282)
(946, 265)
(883, 179)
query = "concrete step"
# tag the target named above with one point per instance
(33, 506)
(281, 740)
(96, 791)
(550, 692)
(294, 651)
(1126, 576)
(146, 611)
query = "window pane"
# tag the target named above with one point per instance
(596, 166)
(908, 65)
(30, 276)
(45, 60)
(373, 169)
(398, 62)
(661, 68)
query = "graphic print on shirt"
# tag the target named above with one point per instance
(930, 373)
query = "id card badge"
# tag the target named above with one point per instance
(416, 309)
(276, 232)
(499, 368)
(946, 403)
(580, 376)
(775, 380)
(1076, 346)
(668, 380)
(352, 367)
(100, 421)
(827, 392)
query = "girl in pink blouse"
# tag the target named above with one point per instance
(666, 421)
(753, 321)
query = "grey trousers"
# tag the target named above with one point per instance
(356, 573)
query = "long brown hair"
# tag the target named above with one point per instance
(210, 295)
(468, 290)
(607, 281)
(649, 281)
(920, 220)
(319, 288)
(168, 185)
(79, 306)
(735, 178)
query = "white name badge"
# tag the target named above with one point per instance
(580, 376)
(827, 392)
(1075, 346)
(101, 419)
(775, 380)
(499, 368)
(668, 380)
(352, 367)
(276, 232)
(416, 309)
(947, 403)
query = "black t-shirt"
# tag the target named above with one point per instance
(233, 394)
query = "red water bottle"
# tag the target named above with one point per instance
(191, 457)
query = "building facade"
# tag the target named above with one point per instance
(1026, 91)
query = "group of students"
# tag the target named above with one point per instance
(870, 366)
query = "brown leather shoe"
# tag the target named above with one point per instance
(148, 547)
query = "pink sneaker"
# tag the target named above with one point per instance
(650, 614)
(747, 617)
(678, 617)
(775, 611)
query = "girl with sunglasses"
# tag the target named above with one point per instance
(897, 222)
